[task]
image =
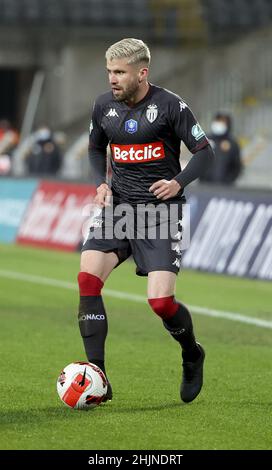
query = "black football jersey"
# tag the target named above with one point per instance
(144, 141)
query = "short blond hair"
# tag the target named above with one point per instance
(135, 50)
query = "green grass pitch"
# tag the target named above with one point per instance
(39, 336)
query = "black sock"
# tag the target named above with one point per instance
(180, 327)
(100, 364)
(93, 327)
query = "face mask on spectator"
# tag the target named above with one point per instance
(43, 134)
(219, 128)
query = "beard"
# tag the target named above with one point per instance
(128, 93)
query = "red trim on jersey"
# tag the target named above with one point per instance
(165, 307)
(200, 146)
(138, 153)
(89, 285)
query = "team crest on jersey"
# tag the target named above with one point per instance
(152, 112)
(131, 126)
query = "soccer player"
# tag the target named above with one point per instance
(144, 125)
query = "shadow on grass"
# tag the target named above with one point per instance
(49, 415)
(63, 414)
(145, 408)
(36, 416)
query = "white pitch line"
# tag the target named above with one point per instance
(135, 298)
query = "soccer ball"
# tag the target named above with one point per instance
(82, 385)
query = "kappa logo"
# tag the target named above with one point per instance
(178, 235)
(182, 106)
(96, 223)
(152, 112)
(177, 249)
(112, 113)
(176, 263)
(91, 316)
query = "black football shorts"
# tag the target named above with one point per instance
(152, 234)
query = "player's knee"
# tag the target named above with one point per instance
(164, 307)
(89, 284)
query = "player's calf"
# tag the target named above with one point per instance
(177, 320)
(92, 317)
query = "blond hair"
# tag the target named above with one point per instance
(134, 50)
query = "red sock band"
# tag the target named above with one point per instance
(165, 307)
(89, 284)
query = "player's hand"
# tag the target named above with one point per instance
(103, 195)
(164, 189)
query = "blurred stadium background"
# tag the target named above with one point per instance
(217, 55)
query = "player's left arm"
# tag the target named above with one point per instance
(187, 129)
(197, 166)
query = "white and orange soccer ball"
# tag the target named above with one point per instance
(82, 385)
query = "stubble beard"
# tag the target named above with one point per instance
(129, 93)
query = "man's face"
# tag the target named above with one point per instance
(219, 126)
(124, 79)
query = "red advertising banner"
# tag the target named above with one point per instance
(55, 216)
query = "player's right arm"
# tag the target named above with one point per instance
(98, 142)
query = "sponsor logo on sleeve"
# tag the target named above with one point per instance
(197, 132)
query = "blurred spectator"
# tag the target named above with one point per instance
(44, 157)
(9, 138)
(228, 165)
